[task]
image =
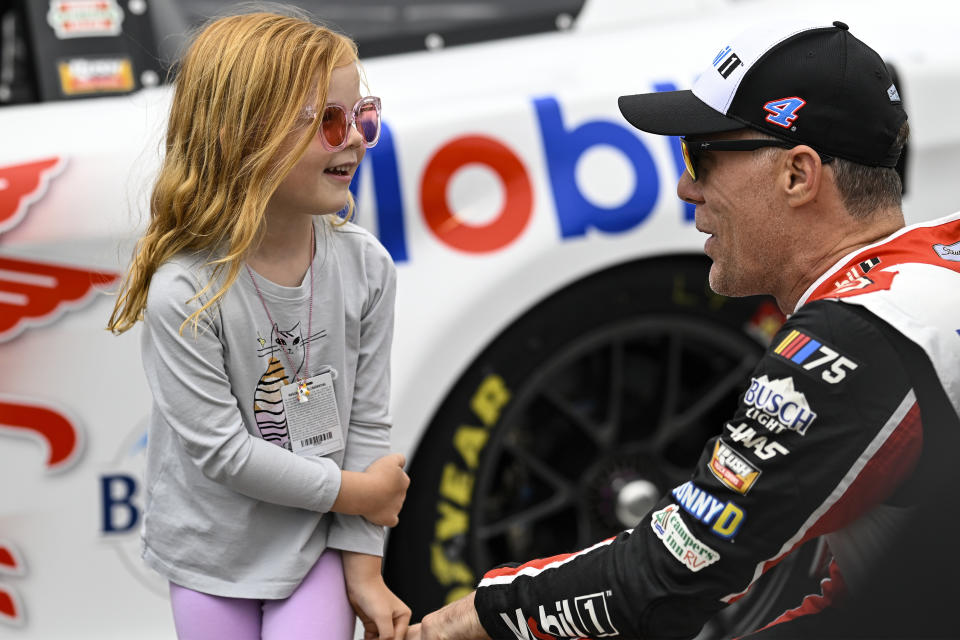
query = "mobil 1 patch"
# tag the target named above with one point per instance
(803, 350)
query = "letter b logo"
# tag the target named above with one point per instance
(119, 513)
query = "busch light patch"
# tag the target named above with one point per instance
(780, 401)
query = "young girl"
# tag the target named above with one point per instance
(266, 344)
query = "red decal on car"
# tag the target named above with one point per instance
(36, 293)
(9, 560)
(21, 185)
(10, 610)
(55, 431)
(512, 218)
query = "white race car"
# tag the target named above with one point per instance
(558, 361)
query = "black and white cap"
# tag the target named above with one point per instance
(811, 84)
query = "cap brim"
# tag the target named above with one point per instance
(674, 113)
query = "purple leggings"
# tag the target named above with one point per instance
(318, 608)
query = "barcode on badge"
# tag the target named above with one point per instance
(323, 437)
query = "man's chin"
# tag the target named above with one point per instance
(722, 284)
(724, 287)
(715, 280)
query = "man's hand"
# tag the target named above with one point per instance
(384, 615)
(456, 621)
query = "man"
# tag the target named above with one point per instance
(791, 141)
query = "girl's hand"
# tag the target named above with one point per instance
(388, 489)
(377, 493)
(384, 615)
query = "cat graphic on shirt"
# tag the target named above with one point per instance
(284, 349)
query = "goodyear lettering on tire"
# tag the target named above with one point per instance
(455, 492)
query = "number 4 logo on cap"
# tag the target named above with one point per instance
(783, 111)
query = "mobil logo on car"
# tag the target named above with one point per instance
(565, 145)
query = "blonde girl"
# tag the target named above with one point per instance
(266, 344)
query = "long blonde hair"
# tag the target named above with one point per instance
(238, 94)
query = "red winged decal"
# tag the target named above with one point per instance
(21, 185)
(36, 293)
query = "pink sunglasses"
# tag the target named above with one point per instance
(335, 125)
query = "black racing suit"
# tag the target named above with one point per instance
(832, 436)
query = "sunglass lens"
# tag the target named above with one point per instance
(688, 160)
(368, 123)
(334, 126)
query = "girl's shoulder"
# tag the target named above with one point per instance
(357, 240)
(180, 286)
(189, 264)
(361, 257)
(349, 231)
(184, 271)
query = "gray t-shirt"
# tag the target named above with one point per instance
(229, 510)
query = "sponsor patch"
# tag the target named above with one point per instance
(682, 545)
(855, 277)
(85, 18)
(779, 400)
(761, 445)
(578, 617)
(726, 62)
(866, 265)
(723, 517)
(949, 252)
(83, 76)
(732, 469)
(852, 286)
(810, 354)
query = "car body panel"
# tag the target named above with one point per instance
(536, 116)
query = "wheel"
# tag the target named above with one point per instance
(571, 425)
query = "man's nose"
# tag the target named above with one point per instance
(688, 190)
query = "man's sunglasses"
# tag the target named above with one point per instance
(335, 123)
(692, 150)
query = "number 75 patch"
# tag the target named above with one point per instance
(812, 355)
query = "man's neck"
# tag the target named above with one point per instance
(845, 241)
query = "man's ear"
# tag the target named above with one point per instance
(802, 175)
